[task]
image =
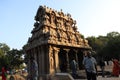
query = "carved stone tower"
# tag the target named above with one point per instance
(54, 41)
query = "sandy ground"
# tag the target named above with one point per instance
(107, 77)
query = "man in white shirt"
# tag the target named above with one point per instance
(90, 65)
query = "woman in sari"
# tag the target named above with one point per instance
(116, 68)
(4, 73)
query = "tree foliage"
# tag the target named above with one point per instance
(3, 51)
(106, 46)
(15, 58)
(10, 58)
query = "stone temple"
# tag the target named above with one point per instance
(54, 41)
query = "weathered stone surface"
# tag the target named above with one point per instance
(52, 27)
(54, 41)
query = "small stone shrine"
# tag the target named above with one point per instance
(54, 42)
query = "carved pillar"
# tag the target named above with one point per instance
(32, 52)
(76, 56)
(28, 61)
(36, 54)
(42, 58)
(39, 60)
(67, 60)
(56, 60)
(68, 66)
(51, 60)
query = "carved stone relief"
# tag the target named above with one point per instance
(56, 28)
(56, 31)
(51, 58)
(52, 18)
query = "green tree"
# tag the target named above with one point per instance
(112, 48)
(112, 35)
(106, 46)
(96, 43)
(15, 58)
(4, 48)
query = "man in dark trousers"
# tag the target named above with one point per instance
(33, 69)
(90, 66)
(102, 66)
(73, 65)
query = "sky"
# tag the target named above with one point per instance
(93, 17)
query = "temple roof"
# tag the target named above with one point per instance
(55, 28)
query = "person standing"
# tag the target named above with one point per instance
(4, 73)
(33, 69)
(116, 68)
(102, 66)
(73, 65)
(90, 65)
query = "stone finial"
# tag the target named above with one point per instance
(68, 14)
(44, 6)
(74, 22)
(60, 10)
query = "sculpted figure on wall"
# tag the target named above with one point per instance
(62, 24)
(59, 34)
(51, 58)
(52, 18)
(58, 25)
(46, 19)
(67, 25)
(74, 26)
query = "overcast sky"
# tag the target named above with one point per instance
(94, 17)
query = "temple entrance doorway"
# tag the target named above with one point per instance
(62, 60)
(65, 58)
(80, 59)
(72, 55)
